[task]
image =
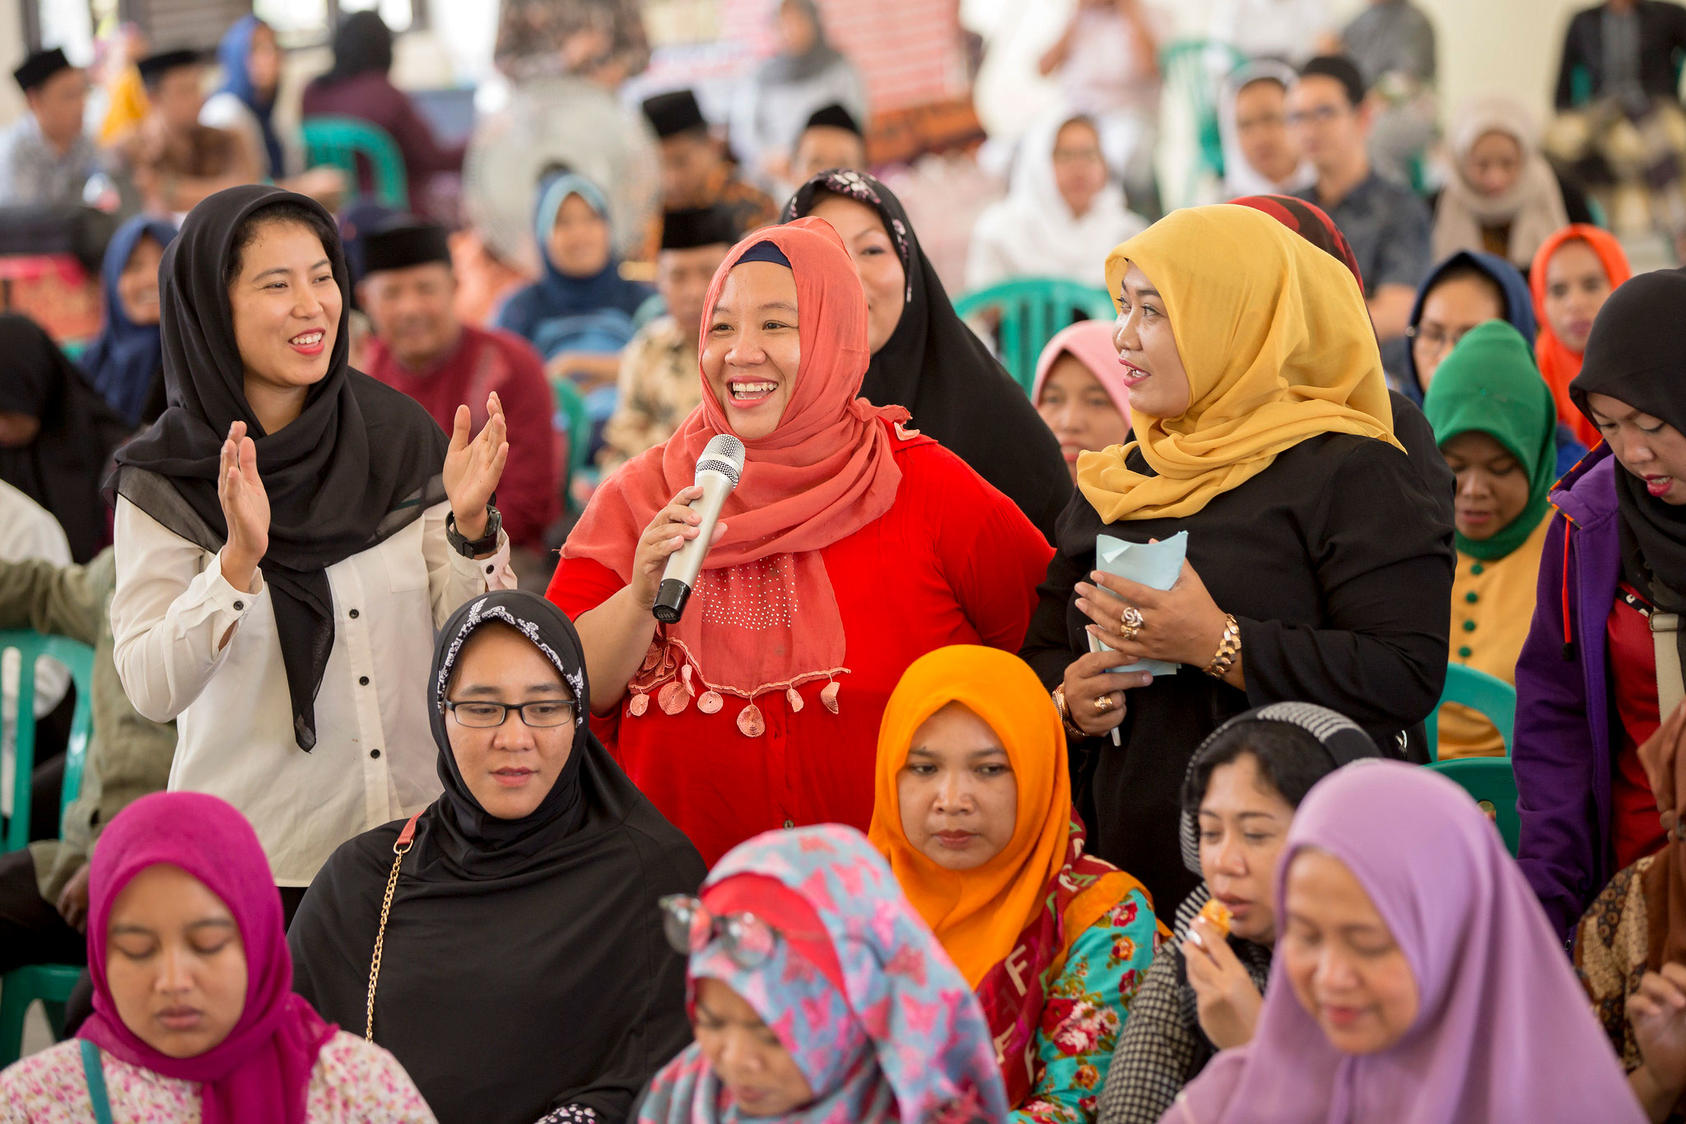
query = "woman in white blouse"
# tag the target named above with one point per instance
(289, 534)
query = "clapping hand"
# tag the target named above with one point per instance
(473, 468)
(245, 508)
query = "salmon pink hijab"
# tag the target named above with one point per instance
(1090, 343)
(260, 1073)
(1558, 364)
(827, 470)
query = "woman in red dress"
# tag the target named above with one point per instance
(852, 546)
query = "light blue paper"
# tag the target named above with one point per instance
(1153, 564)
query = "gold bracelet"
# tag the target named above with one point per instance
(1058, 695)
(1228, 649)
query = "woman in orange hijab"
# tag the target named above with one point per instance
(1574, 272)
(973, 811)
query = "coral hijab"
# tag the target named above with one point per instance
(1278, 347)
(1558, 364)
(827, 470)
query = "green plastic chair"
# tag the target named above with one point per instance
(51, 984)
(652, 307)
(1032, 310)
(338, 142)
(572, 419)
(1492, 782)
(1493, 698)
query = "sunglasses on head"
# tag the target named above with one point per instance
(746, 939)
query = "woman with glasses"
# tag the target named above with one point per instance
(515, 970)
(819, 997)
(974, 814)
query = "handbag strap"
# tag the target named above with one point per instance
(1665, 633)
(94, 1071)
(400, 847)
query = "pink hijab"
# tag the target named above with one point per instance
(260, 1073)
(1090, 343)
(1503, 1030)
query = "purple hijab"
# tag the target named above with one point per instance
(1503, 1030)
(260, 1073)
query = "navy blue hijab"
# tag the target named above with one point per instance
(233, 54)
(125, 362)
(1518, 301)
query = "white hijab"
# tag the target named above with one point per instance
(1033, 232)
(1240, 177)
(1534, 204)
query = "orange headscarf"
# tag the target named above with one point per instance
(978, 915)
(1558, 364)
(827, 470)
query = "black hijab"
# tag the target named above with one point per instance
(523, 968)
(1637, 355)
(360, 463)
(362, 43)
(61, 468)
(945, 375)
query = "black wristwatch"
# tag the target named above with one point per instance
(473, 548)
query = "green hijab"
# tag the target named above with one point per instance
(1489, 384)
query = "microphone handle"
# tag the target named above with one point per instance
(684, 565)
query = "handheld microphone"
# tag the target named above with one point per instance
(718, 471)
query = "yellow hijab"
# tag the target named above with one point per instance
(1278, 347)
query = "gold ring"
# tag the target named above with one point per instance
(1103, 703)
(1131, 622)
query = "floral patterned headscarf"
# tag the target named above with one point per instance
(903, 1040)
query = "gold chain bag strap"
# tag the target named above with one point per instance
(400, 848)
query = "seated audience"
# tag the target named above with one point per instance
(579, 314)
(1412, 983)
(358, 85)
(44, 889)
(45, 157)
(851, 547)
(1080, 391)
(1060, 207)
(1270, 29)
(1627, 948)
(536, 824)
(1574, 273)
(832, 138)
(926, 359)
(418, 346)
(1392, 41)
(773, 101)
(1386, 223)
(1203, 995)
(695, 172)
(1341, 596)
(175, 160)
(1587, 682)
(973, 812)
(1261, 155)
(1502, 196)
(818, 996)
(56, 434)
(194, 1014)
(33, 535)
(126, 363)
(658, 386)
(293, 682)
(1496, 425)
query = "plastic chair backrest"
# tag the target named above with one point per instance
(1492, 782)
(652, 307)
(1033, 310)
(572, 419)
(1493, 698)
(1195, 69)
(339, 141)
(79, 658)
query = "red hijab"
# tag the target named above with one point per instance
(1558, 364)
(260, 1073)
(827, 470)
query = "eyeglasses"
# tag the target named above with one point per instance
(1435, 338)
(541, 715)
(690, 927)
(1320, 115)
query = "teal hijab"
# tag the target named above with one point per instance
(1489, 384)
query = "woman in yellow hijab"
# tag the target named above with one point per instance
(1317, 566)
(972, 808)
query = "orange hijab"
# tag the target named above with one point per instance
(826, 471)
(1558, 364)
(979, 915)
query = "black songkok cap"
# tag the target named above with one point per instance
(154, 67)
(403, 243)
(834, 116)
(673, 113)
(39, 67)
(701, 226)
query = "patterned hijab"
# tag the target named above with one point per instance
(875, 1017)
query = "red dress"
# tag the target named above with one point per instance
(952, 562)
(1635, 828)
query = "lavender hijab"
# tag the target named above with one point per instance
(1503, 1030)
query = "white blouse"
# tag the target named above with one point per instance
(374, 759)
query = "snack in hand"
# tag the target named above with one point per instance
(1217, 915)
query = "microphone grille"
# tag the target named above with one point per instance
(724, 447)
(725, 468)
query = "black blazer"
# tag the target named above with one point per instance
(1662, 32)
